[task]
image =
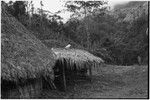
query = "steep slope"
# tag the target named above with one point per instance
(132, 10)
(23, 56)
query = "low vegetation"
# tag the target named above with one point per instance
(115, 82)
(121, 32)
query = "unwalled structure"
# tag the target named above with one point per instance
(72, 61)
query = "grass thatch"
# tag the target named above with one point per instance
(23, 56)
(80, 58)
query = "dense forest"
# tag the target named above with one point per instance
(118, 35)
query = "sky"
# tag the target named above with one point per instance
(56, 5)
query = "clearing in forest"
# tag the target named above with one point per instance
(110, 82)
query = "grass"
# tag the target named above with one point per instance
(122, 82)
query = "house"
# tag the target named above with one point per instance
(25, 61)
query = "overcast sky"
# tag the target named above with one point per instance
(55, 5)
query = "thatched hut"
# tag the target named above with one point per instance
(73, 61)
(25, 61)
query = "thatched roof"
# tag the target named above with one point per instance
(76, 56)
(23, 56)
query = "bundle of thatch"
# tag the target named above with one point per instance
(80, 58)
(23, 56)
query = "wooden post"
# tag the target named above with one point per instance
(90, 71)
(139, 60)
(52, 85)
(64, 78)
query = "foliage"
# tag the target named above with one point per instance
(118, 36)
(85, 8)
(123, 41)
(17, 8)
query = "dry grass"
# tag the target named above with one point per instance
(23, 56)
(126, 82)
(77, 56)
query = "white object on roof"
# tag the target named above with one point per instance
(68, 46)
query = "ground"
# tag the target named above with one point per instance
(109, 81)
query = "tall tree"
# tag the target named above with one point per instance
(85, 8)
(17, 8)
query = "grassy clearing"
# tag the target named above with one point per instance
(116, 82)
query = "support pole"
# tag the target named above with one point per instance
(90, 71)
(64, 78)
(52, 85)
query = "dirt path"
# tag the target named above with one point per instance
(109, 82)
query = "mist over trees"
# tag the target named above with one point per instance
(118, 36)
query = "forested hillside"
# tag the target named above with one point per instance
(118, 35)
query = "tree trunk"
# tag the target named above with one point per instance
(64, 78)
(87, 29)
